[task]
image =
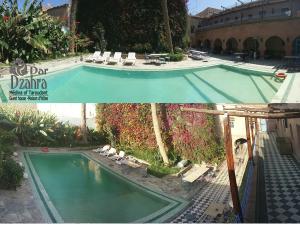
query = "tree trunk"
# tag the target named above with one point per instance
(74, 4)
(158, 137)
(83, 123)
(99, 117)
(167, 137)
(167, 24)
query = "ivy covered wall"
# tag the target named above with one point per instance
(133, 24)
(187, 134)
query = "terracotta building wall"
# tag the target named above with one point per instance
(288, 30)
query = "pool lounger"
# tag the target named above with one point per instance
(119, 156)
(110, 152)
(116, 59)
(130, 60)
(103, 149)
(93, 57)
(103, 58)
(195, 172)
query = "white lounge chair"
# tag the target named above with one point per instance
(119, 156)
(116, 59)
(103, 149)
(130, 59)
(195, 172)
(110, 152)
(93, 57)
(103, 58)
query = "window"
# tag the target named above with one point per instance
(250, 16)
(262, 13)
(192, 29)
(227, 19)
(236, 18)
(216, 21)
(285, 11)
(273, 11)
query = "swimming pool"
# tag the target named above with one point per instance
(214, 84)
(77, 189)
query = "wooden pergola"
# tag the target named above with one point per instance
(251, 115)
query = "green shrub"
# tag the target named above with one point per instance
(11, 174)
(33, 128)
(142, 48)
(176, 57)
(6, 137)
(5, 151)
(178, 50)
(157, 168)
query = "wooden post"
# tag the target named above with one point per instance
(256, 126)
(249, 145)
(231, 172)
(252, 133)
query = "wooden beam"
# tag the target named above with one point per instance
(231, 172)
(269, 115)
(249, 145)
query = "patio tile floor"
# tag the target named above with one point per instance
(282, 183)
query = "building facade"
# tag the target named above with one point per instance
(61, 12)
(270, 28)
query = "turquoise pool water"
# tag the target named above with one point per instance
(77, 189)
(215, 84)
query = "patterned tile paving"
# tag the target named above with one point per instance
(282, 183)
(217, 191)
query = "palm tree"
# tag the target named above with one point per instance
(167, 24)
(83, 123)
(73, 11)
(157, 132)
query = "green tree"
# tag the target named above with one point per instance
(29, 33)
(165, 13)
(73, 11)
(83, 123)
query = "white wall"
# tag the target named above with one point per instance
(70, 112)
(238, 130)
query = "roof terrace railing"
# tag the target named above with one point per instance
(244, 20)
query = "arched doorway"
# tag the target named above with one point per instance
(199, 45)
(231, 45)
(251, 45)
(207, 45)
(296, 46)
(218, 46)
(274, 48)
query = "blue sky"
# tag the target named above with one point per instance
(194, 6)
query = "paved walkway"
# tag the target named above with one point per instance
(282, 183)
(20, 206)
(214, 191)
